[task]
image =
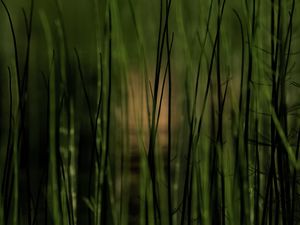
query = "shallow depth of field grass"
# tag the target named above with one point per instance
(149, 112)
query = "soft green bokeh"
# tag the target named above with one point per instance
(65, 158)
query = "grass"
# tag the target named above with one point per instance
(136, 112)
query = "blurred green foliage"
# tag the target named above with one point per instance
(85, 102)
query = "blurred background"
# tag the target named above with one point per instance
(77, 92)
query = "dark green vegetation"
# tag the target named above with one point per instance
(149, 112)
